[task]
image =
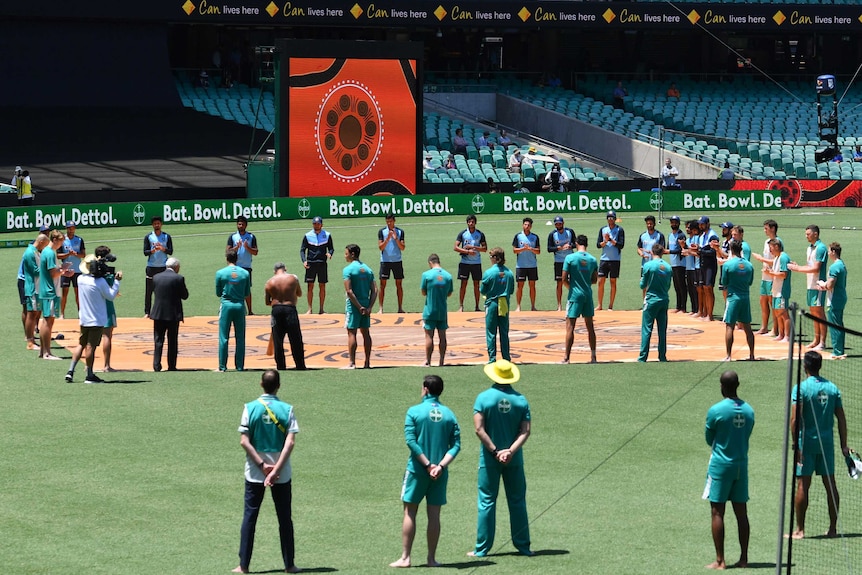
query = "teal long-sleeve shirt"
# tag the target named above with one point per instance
(231, 284)
(431, 428)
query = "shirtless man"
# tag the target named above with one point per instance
(282, 291)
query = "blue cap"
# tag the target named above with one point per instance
(70, 224)
(726, 225)
(558, 220)
(674, 218)
(703, 220)
(611, 214)
(44, 229)
(317, 220)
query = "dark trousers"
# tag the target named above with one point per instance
(680, 287)
(172, 329)
(148, 287)
(285, 320)
(691, 286)
(281, 496)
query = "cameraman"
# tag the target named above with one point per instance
(556, 179)
(94, 293)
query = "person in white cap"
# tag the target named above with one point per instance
(94, 292)
(501, 416)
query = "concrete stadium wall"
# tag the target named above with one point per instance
(472, 105)
(595, 141)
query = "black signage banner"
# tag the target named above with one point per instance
(493, 14)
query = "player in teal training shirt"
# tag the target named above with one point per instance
(498, 283)
(655, 281)
(501, 416)
(580, 272)
(737, 275)
(434, 439)
(361, 291)
(436, 287)
(729, 424)
(232, 286)
(836, 299)
(821, 404)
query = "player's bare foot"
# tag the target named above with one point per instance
(425, 364)
(533, 308)
(367, 365)
(717, 565)
(518, 309)
(831, 533)
(380, 310)
(308, 312)
(740, 564)
(349, 366)
(403, 562)
(593, 359)
(401, 310)
(49, 356)
(293, 569)
(781, 340)
(818, 347)
(559, 308)
(728, 358)
(474, 554)
(239, 570)
(460, 309)
(109, 369)
(599, 308)
(761, 332)
(477, 309)
(839, 356)
(564, 360)
(433, 563)
(321, 311)
(797, 534)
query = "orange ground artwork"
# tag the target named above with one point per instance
(536, 337)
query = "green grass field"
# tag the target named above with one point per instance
(146, 477)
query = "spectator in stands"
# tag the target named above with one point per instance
(204, 79)
(483, 141)
(727, 173)
(556, 179)
(619, 96)
(669, 174)
(492, 186)
(426, 164)
(673, 91)
(857, 154)
(838, 158)
(450, 163)
(515, 162)
(505, 141)
(527, 162)
(460, 142)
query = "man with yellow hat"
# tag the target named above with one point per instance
(501, 416)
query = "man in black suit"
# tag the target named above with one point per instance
(169, 289)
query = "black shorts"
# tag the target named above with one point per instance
(467, 271)
(396, 268)
(318, 270)
(523, 274)
(21, 292)
(249, 275)
(66, 281)
(609, 269)
(709, 272)
(558, 271)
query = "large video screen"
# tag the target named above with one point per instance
(349, 122)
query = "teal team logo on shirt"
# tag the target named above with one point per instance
(435, 415)
(822, 397)
(739, 421)
(504, 406)
(266, 419)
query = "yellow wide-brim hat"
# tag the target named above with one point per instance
(503, 371)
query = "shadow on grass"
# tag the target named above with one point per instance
(760, 566)
(304, 570)
(478, 562)
(844, 536)
(538, 553)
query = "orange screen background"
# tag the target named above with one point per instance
(355, 130)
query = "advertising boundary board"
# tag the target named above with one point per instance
(278, 209)
(769, 17)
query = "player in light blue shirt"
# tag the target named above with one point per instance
(561, 243)
(815, 269)
(470, 244)
(245, 244)
(390, 240)
(526, 247)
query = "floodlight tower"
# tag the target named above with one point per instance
(827, 124)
